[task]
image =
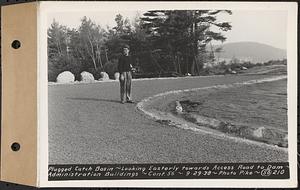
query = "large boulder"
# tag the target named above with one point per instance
(87, 77)
(65, 77)
(104, 76)
(117, 76)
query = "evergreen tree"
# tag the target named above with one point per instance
(160, 41)
(184, 35)
(92, 39)
(57, 50)
(57, 39)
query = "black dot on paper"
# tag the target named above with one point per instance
(15, 146)
(16, 44)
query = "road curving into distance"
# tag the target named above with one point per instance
(87, 125)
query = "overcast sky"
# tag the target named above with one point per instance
(268, 27)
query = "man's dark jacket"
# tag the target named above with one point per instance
(124, 64)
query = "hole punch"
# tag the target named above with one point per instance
(15, 146)
(16, 44)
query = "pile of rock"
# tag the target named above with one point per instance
(104, 76)
(65, 77)
(117, 76)
(87, 77)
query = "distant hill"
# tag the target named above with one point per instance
(251, 51)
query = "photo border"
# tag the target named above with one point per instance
(47, 7)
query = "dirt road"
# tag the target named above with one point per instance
(87, 125)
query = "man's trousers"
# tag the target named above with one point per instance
(125, 86)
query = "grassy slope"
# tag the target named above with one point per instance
(257, 105)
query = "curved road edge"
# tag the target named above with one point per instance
(167, 118)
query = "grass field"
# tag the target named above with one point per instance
(262, 104)
(256, 111)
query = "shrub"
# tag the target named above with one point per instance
(64, 63)
(95, 72)
(111, 67)
(276, 62)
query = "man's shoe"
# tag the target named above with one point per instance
(130, 101)
(122, 102)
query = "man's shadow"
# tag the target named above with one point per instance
(95, 99)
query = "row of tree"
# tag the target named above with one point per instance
(160, 41)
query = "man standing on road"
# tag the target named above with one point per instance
(125, 68)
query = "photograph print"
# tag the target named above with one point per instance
(167, 93)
